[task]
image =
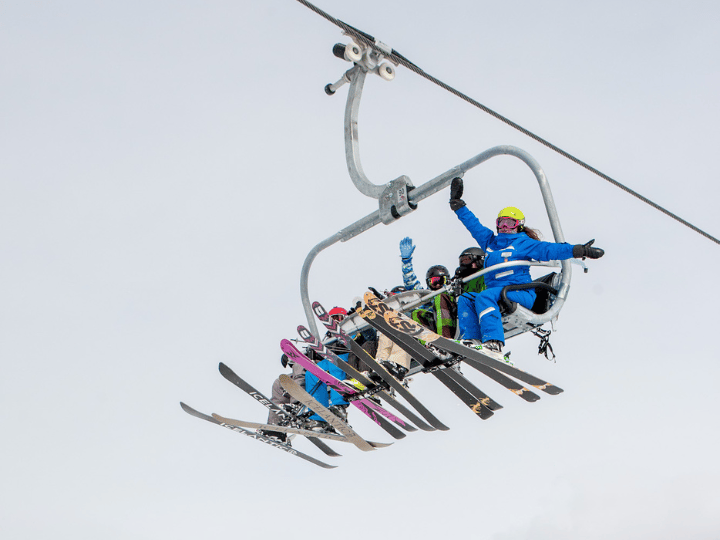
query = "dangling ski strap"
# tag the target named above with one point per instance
(544, 347)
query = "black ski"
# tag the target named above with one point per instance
(512, 385)
(372, 365)
(475, 399)
(289, 429)
(407, 326)
(370, 387)
(231, 376)
(267, 440)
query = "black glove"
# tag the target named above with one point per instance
(284, 360)
(376, 292)
(580, 251)
(456, 191)
(457, 287)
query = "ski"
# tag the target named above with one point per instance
(296, 391)
(474, 398)
(267, 440)
(407, 326)
(512, 385)
(231, 376)
(370, 387)
(335, 330)
(371, 409)
(288, 429)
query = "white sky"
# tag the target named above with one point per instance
(167, 166)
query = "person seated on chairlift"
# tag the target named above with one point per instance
(479, 316)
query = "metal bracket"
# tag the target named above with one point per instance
(395, 201)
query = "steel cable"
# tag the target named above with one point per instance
(399, 59)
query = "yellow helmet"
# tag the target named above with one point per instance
(513, 214)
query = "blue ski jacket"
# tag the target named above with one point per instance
(502, 248)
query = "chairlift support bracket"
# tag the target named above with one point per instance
(400, 197)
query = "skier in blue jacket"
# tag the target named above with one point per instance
(318, 389)
(479, 316)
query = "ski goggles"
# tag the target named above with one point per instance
(467, 260)
(507, 223)
(437, 281)
(338, 317)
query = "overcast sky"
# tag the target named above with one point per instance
(167, 166)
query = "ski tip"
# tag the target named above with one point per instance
(529, 396)
(186, 408)
(549, 388)
(379, 444)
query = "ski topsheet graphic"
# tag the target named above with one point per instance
(257, 436)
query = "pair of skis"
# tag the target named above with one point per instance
(388, 380)
(370, 408)
(436, 353)
(371, 388)
(255, 430)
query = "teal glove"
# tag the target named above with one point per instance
(406, 248)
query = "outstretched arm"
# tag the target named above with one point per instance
(550, 251)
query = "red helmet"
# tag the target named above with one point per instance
(338, 311)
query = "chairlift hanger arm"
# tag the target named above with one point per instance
(399, 197)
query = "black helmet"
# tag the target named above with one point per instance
(437, 271)
(472, 255)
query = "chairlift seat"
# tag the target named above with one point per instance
(516, 318)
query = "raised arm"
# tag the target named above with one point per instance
(406, 250)
(479, 232)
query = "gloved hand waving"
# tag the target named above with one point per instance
(456, 191)
(406, 248)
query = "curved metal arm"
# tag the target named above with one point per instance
(352, 142)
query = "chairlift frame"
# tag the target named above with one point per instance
(400, 197)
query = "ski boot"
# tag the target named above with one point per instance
(402, 371)
(491, 346)
(394, 369)
(374, 377)
(316, 425)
